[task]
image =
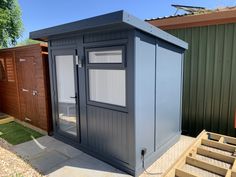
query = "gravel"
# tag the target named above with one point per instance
(11, 165)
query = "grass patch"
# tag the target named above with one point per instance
(15, 133)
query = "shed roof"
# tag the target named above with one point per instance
(115, 19)
(201, 18)
(23, 47)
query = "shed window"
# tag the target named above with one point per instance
(10, 70)
(2, 70)
(112, 56)
(107, 76)
(107, 86)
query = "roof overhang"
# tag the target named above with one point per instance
(188, 21)
(119, 19)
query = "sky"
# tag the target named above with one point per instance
(39, 14)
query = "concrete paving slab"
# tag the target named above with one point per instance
(85, 166)
(29, 149)
(69, 151)
(48, 160)
(32, 149)
(44, 140)
(57, 159)
(82, 172)
(64, 149)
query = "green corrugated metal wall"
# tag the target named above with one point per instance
(209, 98)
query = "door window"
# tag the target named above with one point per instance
(7, 69)
(2, 70)
(66, 93)
(10, 69)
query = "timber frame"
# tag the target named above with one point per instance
(212, 140)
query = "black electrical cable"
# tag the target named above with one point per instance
(149, 173)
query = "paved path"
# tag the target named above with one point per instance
(56, 159)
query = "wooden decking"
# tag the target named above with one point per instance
(210, 154)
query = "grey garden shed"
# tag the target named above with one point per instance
(116, 87)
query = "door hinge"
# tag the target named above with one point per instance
(22, 60)
(25, 90)
(27, 119)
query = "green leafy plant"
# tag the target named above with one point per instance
(17, 175)
(11, 26)
(28, 42)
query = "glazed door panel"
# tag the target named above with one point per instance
(66, 94)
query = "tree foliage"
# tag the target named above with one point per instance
(11, 26)
(28, 42)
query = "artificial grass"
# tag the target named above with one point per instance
(15, 133)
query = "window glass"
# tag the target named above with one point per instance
(108, 56)
(10, 70)
(107, 86)
(66, 93)
(2, 70)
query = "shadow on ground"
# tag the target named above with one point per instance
(55, 158)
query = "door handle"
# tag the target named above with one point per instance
(73, 97)
(79, 61)
(25, 90)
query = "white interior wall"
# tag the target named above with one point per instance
(107, 86)
(65, 78)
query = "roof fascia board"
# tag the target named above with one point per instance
(93, 22)
(111, 19)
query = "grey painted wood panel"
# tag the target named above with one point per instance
(168, 92)
(107, 132)
(144, 94)
(105, 36)
(63, 42)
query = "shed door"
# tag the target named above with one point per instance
(28, 89)
(66, 94)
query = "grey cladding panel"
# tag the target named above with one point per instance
(105, 36)
(107, 132)
(145, 93)
(63, 42)
(168, 93)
